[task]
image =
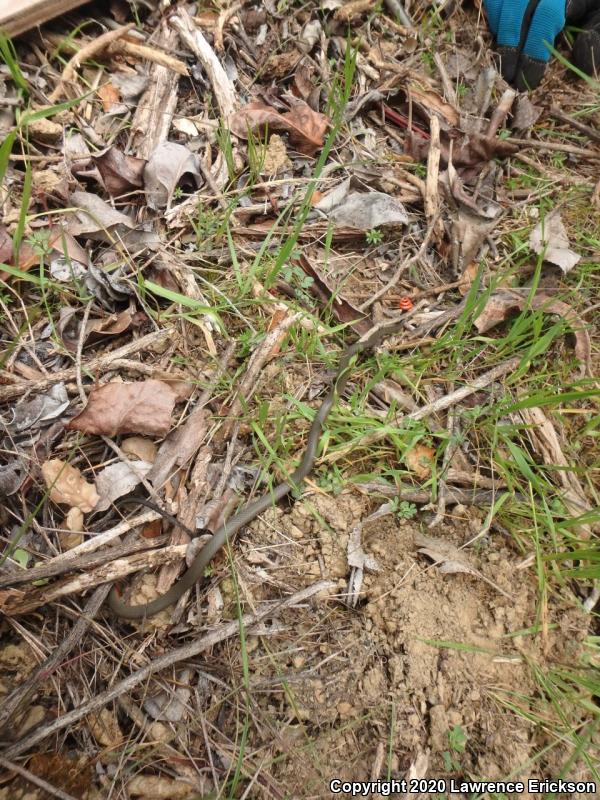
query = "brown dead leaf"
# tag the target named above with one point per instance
(450, 560)
(468, 276)
(306, 128)
(278, 65)
(503, 304)
(420, 460)
(169, 164)
(109, 95)
(120, 173)
(179, 446)
(142, 407)
(68, 486)
(432, 101)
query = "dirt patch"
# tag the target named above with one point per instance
(424, 659)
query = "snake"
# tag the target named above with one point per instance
(251, 510)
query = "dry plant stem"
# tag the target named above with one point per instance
(401, 269)
(23, 693)
(500, 113)
(58, 566)
(222, 86)
(223, 19)
(589, 155)
(29, 776)
(90, 49)
(150, 54)
(432, 408)
(103, 362)
(443, 489)
(432, 198)
(588, 131)
(107, 573)
(78, 356)
(446, 82)
(162, 662)
(396, 9)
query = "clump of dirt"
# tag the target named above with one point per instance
(424, 657)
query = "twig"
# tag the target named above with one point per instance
(87, 51)
(184, 653)
(150, 54)
(223, 19)
(401, 269)
(431, 408)
(593, 155)
(29, 776)
(222, 86)
(22, 694)
(396, 8)
(432, 199)
(102, 362)
(575, 123)
(78, 356)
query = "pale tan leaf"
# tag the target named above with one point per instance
(68, 486)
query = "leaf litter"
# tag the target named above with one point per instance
(205, 184)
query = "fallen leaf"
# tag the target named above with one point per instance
(129, 84)
(11, 477)
(6, 245)
(450, 560)
(139, 447)
(503, 304)
(279, 65)
(166, 168)
(469, 274)
(117, 480)
(96, 219)
(420, 460)
(369, 210)
(74, 520)
(68, 486)
(120, 173)
(432, 101)
(549, 237)
(305, 127)
(179, 446)
(32, 414)
(142, 407)
(109, 95)
(171, 705)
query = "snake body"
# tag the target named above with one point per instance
(252, 510)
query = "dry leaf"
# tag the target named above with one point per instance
(109, 95)
(369, 210)
(68, 486)
(143, 449)
(504, 303)
(433, 102)
(179, 446)
(549, 237)
(450, 560)
(120, 173)
(306, 128)
(74, 520)
(142, 407)
(420, 460)
(117, 480)
(171, 705)
(166, 167)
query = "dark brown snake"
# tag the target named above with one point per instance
(252, 510)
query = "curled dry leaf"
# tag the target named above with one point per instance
(306, 128)
(139, 447)
(157, 788)
(105, 728)
(142, 407)
(68, 486)
(419, 460)
(120, 173)
(504, 303)
(550, 238)
(117, 480)
(166, 167)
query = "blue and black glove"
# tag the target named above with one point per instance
(524, 28)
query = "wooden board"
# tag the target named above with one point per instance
(18, 16)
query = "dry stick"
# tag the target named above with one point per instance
(401, 269)
(51, 569)
(594, 155)
(223, 19)
(222, 86)
(106, 573)
(150, 54)
(432, 408)
(29, 776)
(100, 362)
(432, 199)
(162, 662)
(396, 8)
(575, 123)
(23, 693)
(89, 50)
